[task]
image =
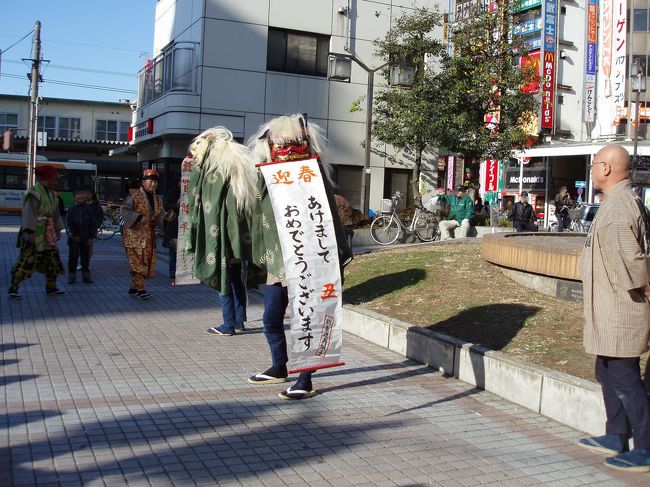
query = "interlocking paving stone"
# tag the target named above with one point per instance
(98, 388)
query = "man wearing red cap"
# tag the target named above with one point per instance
(142, 212)
(41, 224)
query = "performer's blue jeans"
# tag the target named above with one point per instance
(233, 305)
(276, 301)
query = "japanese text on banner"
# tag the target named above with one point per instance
(184, 260)
(311, 263)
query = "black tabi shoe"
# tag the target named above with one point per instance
(133, 292)
(274, 375)
(14, 294)
(143, 295)
(54, 292)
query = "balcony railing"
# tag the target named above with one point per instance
(173, 70)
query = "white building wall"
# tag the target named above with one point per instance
(236, 90)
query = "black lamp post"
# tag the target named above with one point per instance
(638, 87)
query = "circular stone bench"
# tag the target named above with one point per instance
(547, 262)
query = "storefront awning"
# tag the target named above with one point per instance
(559, 150)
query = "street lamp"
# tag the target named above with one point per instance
(638, 87)
(339, 68)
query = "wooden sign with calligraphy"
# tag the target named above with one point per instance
(311, 262)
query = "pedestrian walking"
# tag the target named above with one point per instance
(522, 215)
(617, 313)
(40, 229)
(142, 213)
(222, 186)
(562, 203)
(81, 223)
(170, 235)
(460, 214)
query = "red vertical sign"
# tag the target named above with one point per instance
(491, 175)
(548, 90)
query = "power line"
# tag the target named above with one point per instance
(78, 85)
(18, 41)
(81, 69)
(84, 44)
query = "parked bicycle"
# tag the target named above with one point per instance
(111, 224)
(386, 228)
(575, 225)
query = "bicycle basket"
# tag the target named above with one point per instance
(386, 206)
(575, 213)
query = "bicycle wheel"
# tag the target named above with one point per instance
(384, 230)
(577, 227)
(105, 232)
(426, 226)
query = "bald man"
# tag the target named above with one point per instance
(617, 313)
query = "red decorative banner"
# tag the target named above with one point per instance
(491, 175)
(531, 65)
(548, 90)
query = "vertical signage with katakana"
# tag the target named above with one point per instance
(591, 60)
(311, 261)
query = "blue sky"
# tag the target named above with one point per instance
(79, 38)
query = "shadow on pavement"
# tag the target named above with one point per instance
(219, 440)
(451, 398)
(8, 347)
(11, 379)
(381, 285)
(409, 373)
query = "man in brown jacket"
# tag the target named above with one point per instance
(617, 313)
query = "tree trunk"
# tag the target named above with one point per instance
(415, 177)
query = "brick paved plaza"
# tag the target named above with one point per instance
(98, 388)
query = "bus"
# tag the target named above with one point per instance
(13, 179)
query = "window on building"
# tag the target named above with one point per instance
(47, 124)
(174, 69)
(8, 121)
(640, 19)
(297, 52)
(112, 130)
(63, 127)
(69, 128)
(643, 59)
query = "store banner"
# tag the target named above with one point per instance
(619, 58)
(184, 259)
(548, 90)
(311, 262)
(591, 62)
(491, 181)
(451, 173)
(548, 64)
(531, 63)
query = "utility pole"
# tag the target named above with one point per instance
(35, 77)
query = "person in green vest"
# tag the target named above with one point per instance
(221, 200)
(461, 212)
(40, 229)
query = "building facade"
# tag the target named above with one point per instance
(241, 63)
(80, 131)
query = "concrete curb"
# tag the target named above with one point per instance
(567, 399)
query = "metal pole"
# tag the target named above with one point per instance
(636, 131)
(33, 104)
(546, 190)
(365, 177)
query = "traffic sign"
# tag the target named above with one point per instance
(581, 184)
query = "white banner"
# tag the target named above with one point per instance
(311, 262)
(612, 39)
(184, 260)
